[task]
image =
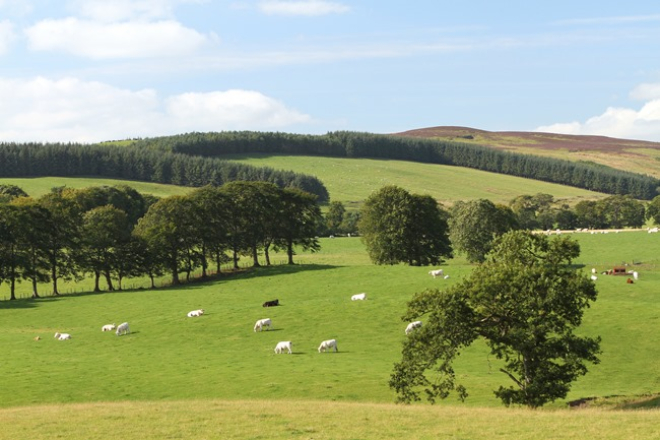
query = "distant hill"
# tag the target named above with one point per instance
(630, 155)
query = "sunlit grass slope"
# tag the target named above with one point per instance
(318, 420)
(352, 180)
(170, 357)
(38, 186)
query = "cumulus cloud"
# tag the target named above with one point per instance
(303, 7)
(646, 91)
(233, 109)
(626, 123)
(114, 40)
(72, 110)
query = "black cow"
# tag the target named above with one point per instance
(273, 303)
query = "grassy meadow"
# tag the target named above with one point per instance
(214, 377)
(38, 186)
(351, 181)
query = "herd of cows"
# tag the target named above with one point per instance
(261, 324)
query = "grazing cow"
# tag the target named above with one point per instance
(359, 297)
(281, 346)
(62, 336)
(412, 326)
(273, 303)
(629, 281)
(261, 323)
(123, 329)
(108, 328)
(328, 345)
(635, 275)
(195, 313)
(436, 273)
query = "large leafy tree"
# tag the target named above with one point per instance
(397, 227)
(167, 230)
(64, 235)
(105, 229)
(296, 222)
(525, 302)
(473, 226)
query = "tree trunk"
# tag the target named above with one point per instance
(108, 280)
(97, 277)
(53, 276)
(267, 255)
(255, 257)
(35, 293)
(289, 251)
(12, 289)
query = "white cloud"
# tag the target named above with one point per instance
(72, 110)
(625, 123)
(114, 40)
(233, 110)
(303, 7)
(644, 92)
(6, 35)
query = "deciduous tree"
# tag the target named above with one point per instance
(525, 302)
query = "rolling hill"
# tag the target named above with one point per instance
(625, 154)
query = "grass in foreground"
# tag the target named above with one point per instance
(278, 420)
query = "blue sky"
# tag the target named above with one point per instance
(93, 70)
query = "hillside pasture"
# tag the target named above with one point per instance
(625, 154)
(168, 356)
(38, 186)
(351, 181)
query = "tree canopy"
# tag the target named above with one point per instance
(525, 302)
(399, 227)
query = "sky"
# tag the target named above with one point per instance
(96, 70)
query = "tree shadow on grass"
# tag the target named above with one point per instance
(640, 402)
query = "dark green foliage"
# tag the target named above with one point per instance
(352, 144)
(399, 227)
(140, 163)
(525, 301)
(474, 225)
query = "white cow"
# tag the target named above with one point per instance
(594, 277)
(194, 313)
(261, 323)
(281, 346)
(62, 336)
(412, 326)
(108, 328)
(436, 273)
(328, 345)
(593, 270)
(123, 329)
(359, 297)
(635, 275)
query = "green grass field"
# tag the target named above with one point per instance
(214, 377)
(351, 181)
(38, 186)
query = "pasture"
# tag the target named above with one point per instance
(351, 181)
(170, 357)
(38, 186)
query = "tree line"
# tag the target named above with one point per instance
(586, 175)
(141, 164)
(111, 233)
